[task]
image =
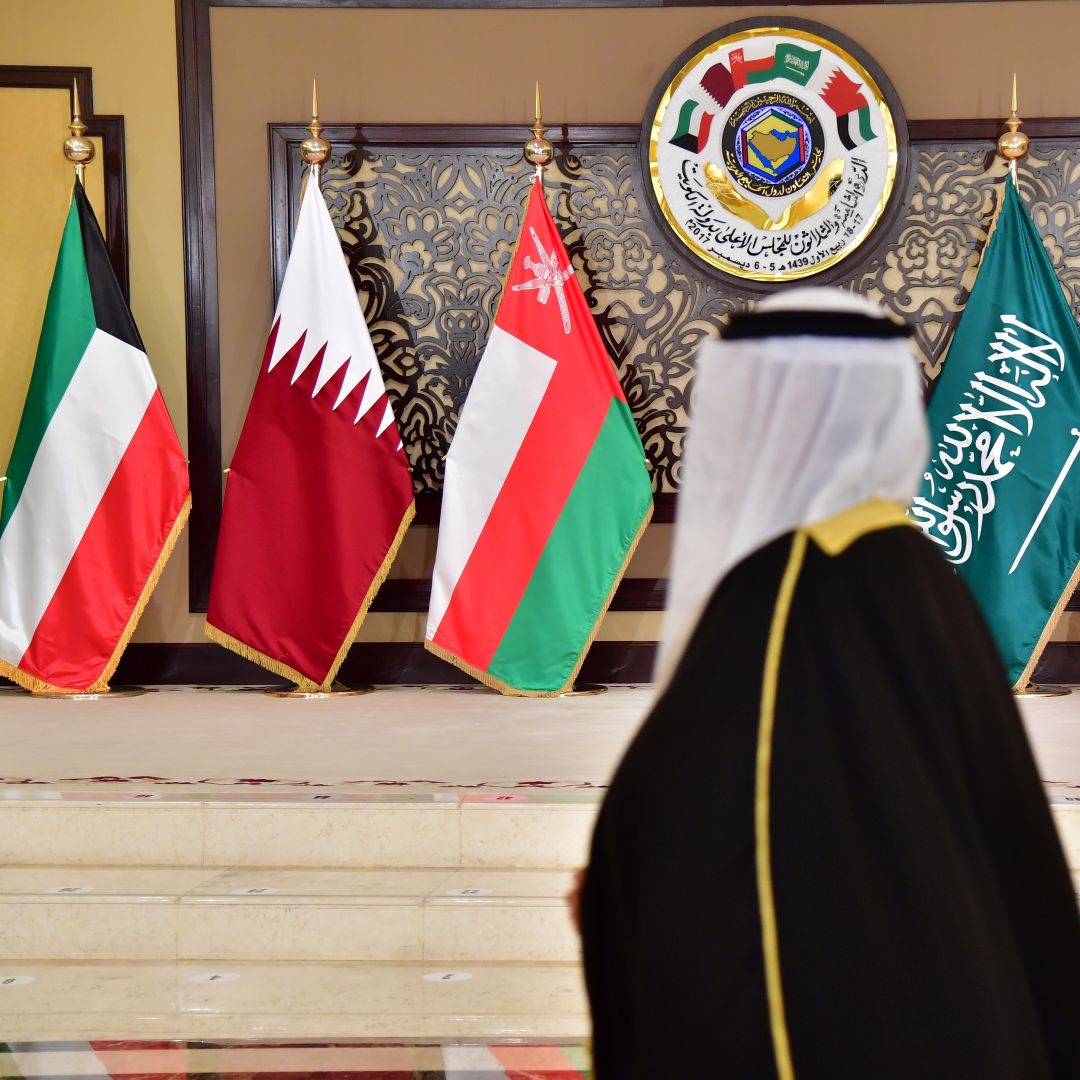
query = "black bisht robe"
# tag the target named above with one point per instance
(925, 922)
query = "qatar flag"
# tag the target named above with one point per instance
(319, 492)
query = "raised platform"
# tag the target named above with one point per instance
(205, 864)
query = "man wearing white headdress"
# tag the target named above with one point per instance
(827, 854)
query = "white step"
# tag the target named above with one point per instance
(156, 828)
(436, 915)
(544, 830)
(1065, 810)
(194, 1000)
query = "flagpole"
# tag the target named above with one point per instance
(1013, 146)
(538, 151)
(314, 151)
(78, 149)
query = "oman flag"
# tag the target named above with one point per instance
(97, 485)
(319, 493)
(546, 490)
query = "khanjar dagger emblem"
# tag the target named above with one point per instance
(549, 276)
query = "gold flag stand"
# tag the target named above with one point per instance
(1013, 146)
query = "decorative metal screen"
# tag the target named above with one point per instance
(429, 230)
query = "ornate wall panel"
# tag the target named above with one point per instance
(429, 218)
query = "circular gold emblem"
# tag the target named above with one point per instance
(772, 151)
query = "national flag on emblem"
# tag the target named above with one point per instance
(695, 124)
(319, 492)
(1001, 495)
(546, 490)
(846, 98)
(786, 62)
(97, 485)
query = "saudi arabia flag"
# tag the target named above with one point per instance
(546, 488)
(1001, 495)
(97, 485)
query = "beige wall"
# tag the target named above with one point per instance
(946, 60)
(382, 66)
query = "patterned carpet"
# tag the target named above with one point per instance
(292, 1061)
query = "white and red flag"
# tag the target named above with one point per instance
(319, 492)
(546, 489)
(96, 490)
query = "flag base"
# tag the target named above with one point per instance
(1035, 690)
(336, 691)
(579, 689)
(585, 689)
(92, 695)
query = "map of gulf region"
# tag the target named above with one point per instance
(773, 146)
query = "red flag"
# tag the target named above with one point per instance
(319, 493)
(546, 490)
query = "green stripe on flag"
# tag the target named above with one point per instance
(866, 129)
(580, 562)
(68, 326)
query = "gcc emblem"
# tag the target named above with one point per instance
(772, 151)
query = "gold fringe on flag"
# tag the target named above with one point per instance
(1048, 630)
(303, 683)
(513, 691)
(101, 684)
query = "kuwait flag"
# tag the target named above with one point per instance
(319, 494)
(97, 485)
(546, 489)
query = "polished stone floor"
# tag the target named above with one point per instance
(338, 1060)
(420, 738)
(425, 737)
(213, 865)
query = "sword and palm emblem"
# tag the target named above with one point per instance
(549, 276)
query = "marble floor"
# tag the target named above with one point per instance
(214, 865)
(423, 738)
(338, 1060)
(428, 737)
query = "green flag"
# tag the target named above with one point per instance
(788, 62)
(1001, 494)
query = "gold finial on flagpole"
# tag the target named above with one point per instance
(78, 149)
(1013, 144)
(538, 151)
(314, 150)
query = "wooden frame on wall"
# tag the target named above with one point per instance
(200, 234)
(110, 129)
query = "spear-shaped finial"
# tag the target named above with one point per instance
(1013, 143)
(538, 151)
(78, 149)
(314, 150)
